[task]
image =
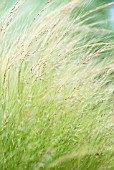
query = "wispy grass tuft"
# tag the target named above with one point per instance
(56, 87)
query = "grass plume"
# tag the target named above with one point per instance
(56, 87)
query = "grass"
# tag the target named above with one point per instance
(56, 87)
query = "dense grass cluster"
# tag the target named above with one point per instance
(56, 86)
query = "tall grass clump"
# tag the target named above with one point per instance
(56, 86)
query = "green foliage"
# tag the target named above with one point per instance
(56, 86)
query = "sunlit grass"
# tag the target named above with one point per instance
(56, 88)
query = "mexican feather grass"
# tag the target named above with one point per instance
(56, 86)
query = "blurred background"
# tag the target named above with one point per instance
(106, 14)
